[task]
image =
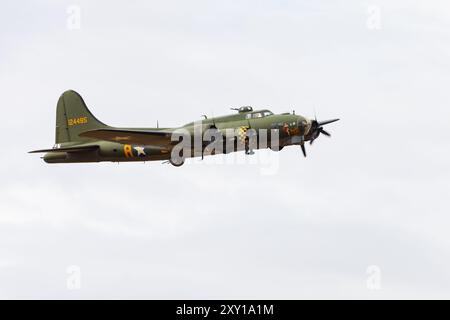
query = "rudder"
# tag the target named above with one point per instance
(73, 117)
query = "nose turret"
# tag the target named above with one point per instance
(304, 125)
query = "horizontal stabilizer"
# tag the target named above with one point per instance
(67, 149)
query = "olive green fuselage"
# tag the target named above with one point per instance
(284, 125)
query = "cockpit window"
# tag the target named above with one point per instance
(256, 115)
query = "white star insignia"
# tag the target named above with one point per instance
(140, 151)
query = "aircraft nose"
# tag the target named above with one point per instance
(303, 125)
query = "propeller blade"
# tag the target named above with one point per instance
(322, 123)
(303, 149)
(325, 133)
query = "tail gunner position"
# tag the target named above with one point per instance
(81, 137)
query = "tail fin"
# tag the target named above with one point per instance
(73, 117)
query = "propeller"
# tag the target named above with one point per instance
(325, 132)
(316, 130)
(303, 149)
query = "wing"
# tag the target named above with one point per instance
(145, 137)
(68, 149)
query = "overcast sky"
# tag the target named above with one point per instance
(365, 215)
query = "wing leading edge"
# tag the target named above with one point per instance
(145, 137)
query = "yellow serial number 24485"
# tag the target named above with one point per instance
(75, 121)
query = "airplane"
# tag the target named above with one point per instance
(81, 137)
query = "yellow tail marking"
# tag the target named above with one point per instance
(76, 121)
